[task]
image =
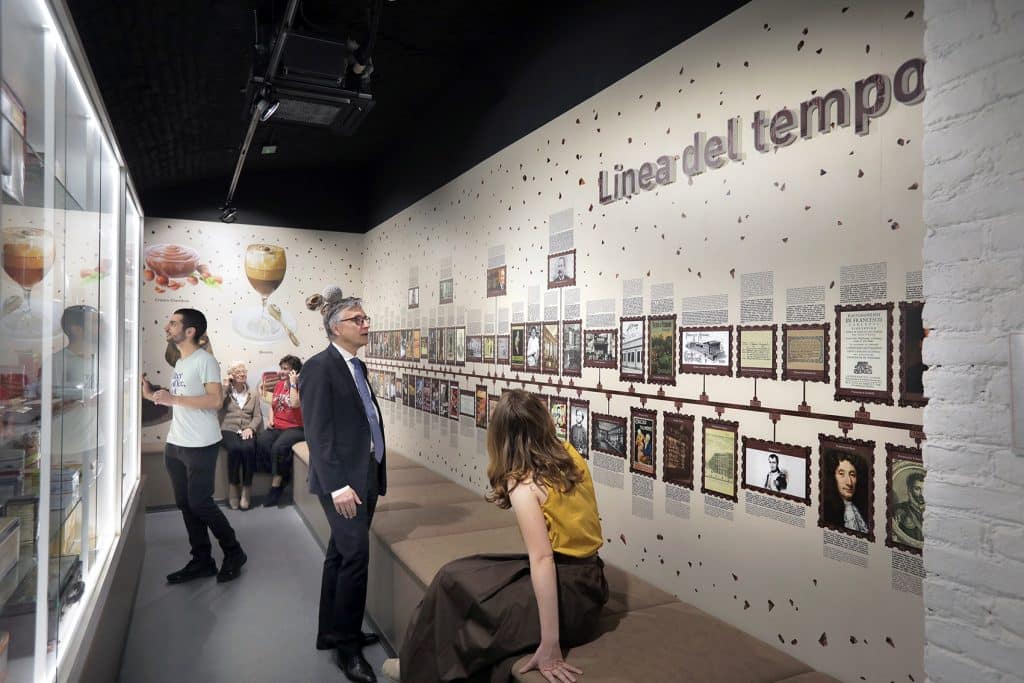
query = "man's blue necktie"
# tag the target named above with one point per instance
(371, 411)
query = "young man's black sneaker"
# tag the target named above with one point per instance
(195, 569)
(231, 567)
(273, 497)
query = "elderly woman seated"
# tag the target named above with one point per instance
(241, 419)
(284, 429)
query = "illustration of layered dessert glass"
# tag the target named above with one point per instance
(27, 257)
(265, 266)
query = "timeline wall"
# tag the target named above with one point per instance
(705, 216)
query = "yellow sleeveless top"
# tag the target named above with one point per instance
(574, 527)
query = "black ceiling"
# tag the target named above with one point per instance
(455, 81)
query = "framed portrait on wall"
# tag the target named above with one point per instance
(460, 345)
(864, 353)
(549, 348)
(496, 283)
(414, 297)
(805, 352)
(600, 349)
(572, 348)
(912, 367)
(846, 495)
(562, 269)
(474, 348)
(501, 349)
(778, 469)
(579, 426)
(631, 349)
(487, 348)
(720, 455)
(661, 349)
(677, 449)
(755, 351)
(436, 401)
(415, 345)
(706, 350)
(441, 344)
(442, 398)
(467, 403)
(517, 350)
(559, 408)
(446, 291)
(643, 446)
(423, 346)
(453, 401)
(608, 434)
(904, 501)
(480, 412)
(533, 347)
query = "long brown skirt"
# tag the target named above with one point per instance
(480, 614)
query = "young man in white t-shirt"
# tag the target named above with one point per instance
(193, 442)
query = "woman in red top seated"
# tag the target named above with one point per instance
(284, 429)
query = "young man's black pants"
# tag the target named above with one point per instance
(192, 473)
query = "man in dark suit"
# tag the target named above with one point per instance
(345, 434)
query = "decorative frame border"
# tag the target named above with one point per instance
(635, 466)
(449, 346)
(568, 282)
(578, 372)
(479, 357)
(540, 346)
(440, 299)
(627, 376)
(789, 374)
(463, 393)
(460, 346)
(651, 377)
(758, 373)
(695, 369)
(483, 354)
(417, 304)
(621, 421)
(725, 426)
(668, 474)
(558, 343)
(906, 398)
(498, 359)
(496, 292)
(454, 391)
(782, 449)
(564, 402)
(893, 454)
(580, 403)
(865, 395)
(442, 397)
(521, 367)
(614, 362)
(863, 449)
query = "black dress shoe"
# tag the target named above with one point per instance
(328, 641)
(273, 497)
(356, 668)
(231, 567)
(195, 569)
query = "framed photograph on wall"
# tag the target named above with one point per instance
(579, 426)
(755, 351)
(533, 347)
(661, 349)
(864, 353)
(432, 345)
(643, 447)
(460, 345)
(442, 398)
(562, 269)
(778, 469)
(441, 344)
(423, 346)
(677, 449)
(414, 297)
(496, 282)
(549, 348)
(846, 495)
(805, 352)
(517, 341)
(480, 412)
(467, 403)
(487, 348)
(474, 348)
(720, 454)
(449, 345)
(600, 349)
(501, 349)
(904, 499)
(608, 434)
(415, 345)
(436, 401)
(446, 291)
(492, 403)
(912, 367)
(559, 408)
(572, 348)
(453, 401)
(631, 349)
(706, 350)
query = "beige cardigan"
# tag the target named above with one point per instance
(235, 419)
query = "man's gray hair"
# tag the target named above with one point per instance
(333, 312)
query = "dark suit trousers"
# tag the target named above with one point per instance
(346, 566)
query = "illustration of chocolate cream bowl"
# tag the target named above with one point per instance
(171, 260)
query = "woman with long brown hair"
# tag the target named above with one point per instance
(482, 612)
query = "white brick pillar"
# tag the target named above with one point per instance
(974, 288)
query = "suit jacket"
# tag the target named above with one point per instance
(336, 427)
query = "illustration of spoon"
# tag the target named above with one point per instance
(275, 313)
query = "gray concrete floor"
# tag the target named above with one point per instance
(260, 627)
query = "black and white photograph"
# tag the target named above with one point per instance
(446, 291)
(474, 348)
(608, 434)
(631, 355)
(549, 348)
(460, 345)
(501, 349)
(414, 297)
(579, 426)
(600, 349)
(496, 283)
(705, 350)
(846, 498)
(912, 367)
(904, 498)
(572, 348)
(562, 269)
(532, 363)
(778, 469)
(467, 403)
(449, 345)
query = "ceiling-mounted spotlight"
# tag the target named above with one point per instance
(228, 214)
(272, 104)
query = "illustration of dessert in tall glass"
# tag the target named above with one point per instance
(27, 257)
(265, 267)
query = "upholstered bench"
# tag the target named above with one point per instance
(159, 494)
(426, 521)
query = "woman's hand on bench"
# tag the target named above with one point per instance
(548, 660)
